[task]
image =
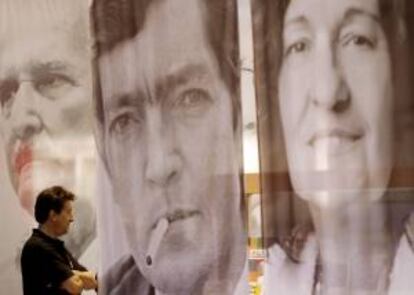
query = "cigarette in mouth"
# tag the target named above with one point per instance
(155, 239)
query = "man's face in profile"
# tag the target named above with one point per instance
(63, 219)
(45, 103)
(169, 144)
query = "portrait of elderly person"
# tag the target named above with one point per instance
(46, 105)
(337, 96)
(167, 129)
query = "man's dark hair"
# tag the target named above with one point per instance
(116, 21)
(53, 198)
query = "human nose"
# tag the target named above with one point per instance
(329, 89)
(26, 120)
(163, 163)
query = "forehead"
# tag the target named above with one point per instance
(35, 44)
(34, 40)
(173, 36)
(328, 12)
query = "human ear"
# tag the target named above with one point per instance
(52, 215)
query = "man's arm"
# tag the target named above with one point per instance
(88, 279)
(73, 285)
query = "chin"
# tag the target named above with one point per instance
(186, 276)
(336, 199)
(180, 273)
(333, 199)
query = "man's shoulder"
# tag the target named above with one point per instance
(33, 243)
(124, 277)
(37, 246)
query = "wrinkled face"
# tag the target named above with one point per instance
(169, 144)
(335, 94)
(45, 101)
(62, 221)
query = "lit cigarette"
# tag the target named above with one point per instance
(155, 239)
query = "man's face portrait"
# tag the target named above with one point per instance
(169, 144)
(45, 101)
(335, 92)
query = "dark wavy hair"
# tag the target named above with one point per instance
(51, 199)
(116, 21)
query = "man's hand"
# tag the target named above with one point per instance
(73, 285)
(88, 279)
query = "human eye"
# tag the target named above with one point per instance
(193, 102)
(124, 123)
(359, 40)
(296, 47)
(53, 84)
(8, 89)
(362, 34)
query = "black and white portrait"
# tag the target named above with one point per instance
(46, 108)
(335, 76)
(167, 118)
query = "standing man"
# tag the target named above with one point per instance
(46, 105)
(167, 129)
(47, 267)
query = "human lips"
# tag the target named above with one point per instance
(180, 214)
(33, 168)
(21, 157)
(177, 215)
(336, 140)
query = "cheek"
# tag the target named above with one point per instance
(125, 160)
(292, 96)
(372, 96)
(128, 167)
(369, 78)
(74, 109)
(9, 153)
(381, 138)
(197, 140)
(290, 133)
(120, 149)
(5, 130)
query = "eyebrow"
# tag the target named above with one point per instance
(179, 77)
(50, 67)
(298, 20)
(125, 100)
(163, 87)
(353, 12)
(348, 16)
